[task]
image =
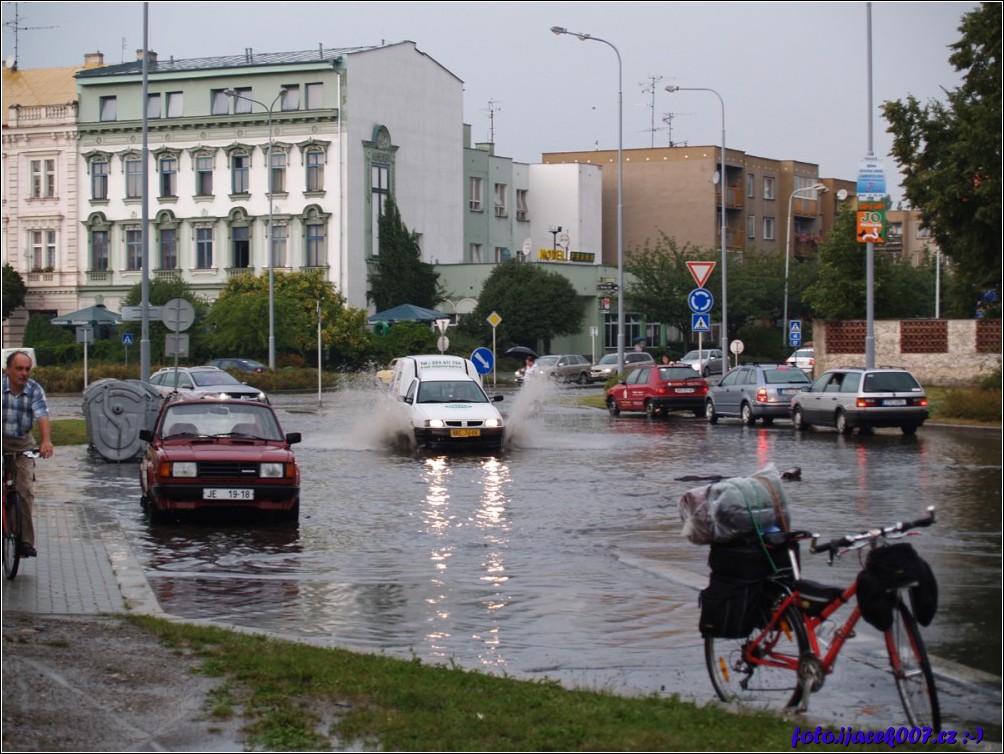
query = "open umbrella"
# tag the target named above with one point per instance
(521, 352)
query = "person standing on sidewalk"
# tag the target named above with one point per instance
(24, 405)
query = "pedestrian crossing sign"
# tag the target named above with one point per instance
(700, 323)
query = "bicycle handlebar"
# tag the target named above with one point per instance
(900, 528)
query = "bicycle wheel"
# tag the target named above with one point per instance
(911, 669)
(762, 669)
(11, 535)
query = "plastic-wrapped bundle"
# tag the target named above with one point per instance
(732, 508)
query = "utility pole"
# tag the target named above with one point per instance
(16, 27)
(649, 88)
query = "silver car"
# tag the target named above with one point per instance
(204, 382)
(565, 367)
(864, 398)
(756, 391)
(705, 361)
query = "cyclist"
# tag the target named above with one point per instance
(24, 405)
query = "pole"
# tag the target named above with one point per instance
(144, 338)
(318, 352)
(870, 247)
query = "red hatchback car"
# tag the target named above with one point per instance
(219, 454)
(658, 389)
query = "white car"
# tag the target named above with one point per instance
(204, 382)
(804, 359)
(706, 361)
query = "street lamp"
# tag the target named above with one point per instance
(787, 251)
(559, 30)
(721, 183)
(271, 251)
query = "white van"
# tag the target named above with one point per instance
(448, 405)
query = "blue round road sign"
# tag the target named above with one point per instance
(700, 301)
(483, 360)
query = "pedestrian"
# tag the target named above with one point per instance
(530, 368)
(24, 405)
(665, 359)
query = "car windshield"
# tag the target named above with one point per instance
(696, 355)
(678, 373)
(547, 361)
(213, 377)
(890, 382)
(780, 376)
(610, 358)
(215, 419)
(451, 391)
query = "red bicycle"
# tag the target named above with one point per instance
(786, 658)
(13, 513)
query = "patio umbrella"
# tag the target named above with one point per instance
(90, 315)
(407, 313)
(521, 352)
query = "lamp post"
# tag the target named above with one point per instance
(271, 252)
(559, 30)
(787, 252)
(724, 231)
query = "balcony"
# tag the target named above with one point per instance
(168, 273)
(233, 272)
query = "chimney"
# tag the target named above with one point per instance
(151, 55)
(94, 59)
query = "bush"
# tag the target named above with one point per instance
(972, 404)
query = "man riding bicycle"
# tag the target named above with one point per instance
(24, 405)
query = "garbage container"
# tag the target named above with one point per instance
(114, 413)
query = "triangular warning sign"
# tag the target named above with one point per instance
(795, 326)
(701, 271)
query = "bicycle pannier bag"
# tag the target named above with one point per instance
(888, 569)
(731, 609)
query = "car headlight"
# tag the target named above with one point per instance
(493, 422)
(435, 423)
(273, 470)
(261, 397)
(185, 469)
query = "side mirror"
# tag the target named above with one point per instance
(146, 435)
(497, 398)
(292, 438)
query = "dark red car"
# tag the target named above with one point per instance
(219, 454)
(658, 389)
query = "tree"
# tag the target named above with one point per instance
(399, 275)
(14, 290)
(662, 282)
(160, 292)
(535, 305)
(950, 154)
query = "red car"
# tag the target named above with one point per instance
(219, 454)
(658, 389)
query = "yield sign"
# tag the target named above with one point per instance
(701, 271)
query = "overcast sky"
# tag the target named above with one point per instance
(793, 76)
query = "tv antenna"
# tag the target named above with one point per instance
(667, 118)
(493, 107)
(17, 28)
(649, 87)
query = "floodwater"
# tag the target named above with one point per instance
(562, 556)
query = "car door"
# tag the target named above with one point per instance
(819, 404)
(729, 392)
(634, 389)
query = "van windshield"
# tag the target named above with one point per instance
(451, 391)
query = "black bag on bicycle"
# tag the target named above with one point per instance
(890, 568)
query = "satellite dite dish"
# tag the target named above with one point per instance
(716, 178)
(10, 63)
(842, 194)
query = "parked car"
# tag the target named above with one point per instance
(706, 361)
(756, 391)
(659, 389)
(864, 398)
(204, 382)
(569, 367)
(603, 369)
(213, 453)
(804, 359)
(240, 365)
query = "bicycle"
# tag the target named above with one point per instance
(13, 512)
(785, 658)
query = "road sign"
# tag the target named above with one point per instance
(795, 333)
(484, 360)
(135, 313)
(700, 301)
(178, 315)
(443, 343)
(494, 319)
(871, 178)
(737, 346)
(701, 271)
(127, 338)
(700, 323)
(606, 287)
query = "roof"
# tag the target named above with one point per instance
(39, 86)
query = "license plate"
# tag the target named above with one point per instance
(465, 433)
(894, 402)
(213, 493)
(685, 390)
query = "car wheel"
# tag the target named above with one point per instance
(798, 419)
(767, 421)
(650, 409)
(291, 516)
(583, 378)
(746, 414)
(156, 516)
(909, 430)
(709, 413)
(705, 373)
(612, 407)
(840, 421)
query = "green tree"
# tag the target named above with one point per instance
(160, 292)
(14, 290)
(535, 305)
(399, 276)
(662, 281)
(950, 153)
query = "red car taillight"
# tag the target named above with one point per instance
(761, 395)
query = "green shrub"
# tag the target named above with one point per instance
(971, 404)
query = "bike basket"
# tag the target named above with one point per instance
(731, 609)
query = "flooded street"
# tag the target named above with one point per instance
(562, 557)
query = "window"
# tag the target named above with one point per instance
(43, 179)
(203, 175)
(751, 226)
(315, 170)
(175, 104)
(99, 180)
(134, 177)
(241, 239)
(168, 176)
(522, 213)
(242, 100)
(204, 248)
(291, 97)
(501, 254)
(476, 253)
(500, 200)
(803, 184)
(240, 166)
(219, 102)
(108, 109)
(99, 251)
(768, 229)
(768, 187)
(923, 232)
(476, 194)
(313, 96)
(153, 106)
(168, 248)
(278, 171)
(278, 245)
(134, 249)
(316, 251)
(43, 250)
(380, 176)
